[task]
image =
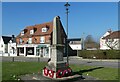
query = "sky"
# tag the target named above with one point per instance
(85, 18)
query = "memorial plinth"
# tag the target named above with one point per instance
(57, 67)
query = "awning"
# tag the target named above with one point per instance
(39, 46)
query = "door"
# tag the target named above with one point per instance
(17, 51)
(41, 52)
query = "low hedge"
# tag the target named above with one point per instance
(100, 54)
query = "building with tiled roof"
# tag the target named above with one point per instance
(34, 32)
(7, 46)
(36, 40)
(113, 35)
(110, 40)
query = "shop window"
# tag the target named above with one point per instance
(37, 51)
(30, 50)
(22, 50)
(47, 51)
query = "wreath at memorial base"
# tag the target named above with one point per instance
(65, 73)
(51, 73)
(46, 71)
(69, 71)
(59, 74)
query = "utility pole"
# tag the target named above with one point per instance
(83, 44)
(67, 11)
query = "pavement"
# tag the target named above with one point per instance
(40, 78)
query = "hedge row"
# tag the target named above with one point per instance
(99, 54)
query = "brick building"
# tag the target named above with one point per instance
(36, 40)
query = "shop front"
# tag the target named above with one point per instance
(33, 50)
(43, 51)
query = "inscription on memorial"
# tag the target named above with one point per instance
(59, 55)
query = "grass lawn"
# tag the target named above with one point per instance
(11, 70)
(100, 73)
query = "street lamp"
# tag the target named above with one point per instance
(67, 8)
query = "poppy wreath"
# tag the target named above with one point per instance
(51, 73)
(59, 74)
(65, 73)
(46, 71)
(69, 71)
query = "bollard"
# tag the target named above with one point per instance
(13, 59)
(38, 59)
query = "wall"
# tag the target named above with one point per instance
(76, 46)
(103, 45)
(35, 39)
(11, 51)
(2, 46)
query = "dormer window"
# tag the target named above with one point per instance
(32, 31)
(20, 41)
(44, 29)
(22, 33)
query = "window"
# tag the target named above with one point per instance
(31, 31)
(47, 51)
(110, 40)
(44, 29)
(21, 50)
(22, 33)
(42, 39)
(30, 40)
(30, 50)
(21, 41)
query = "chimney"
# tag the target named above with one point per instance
(13, 37)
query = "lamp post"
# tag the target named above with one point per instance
(67, 11)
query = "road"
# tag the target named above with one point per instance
(92, 62)
(78, 61)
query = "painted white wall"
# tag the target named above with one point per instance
(10, 49)
(116, 46)
(2, 46)
(76, 46)
(103, 45)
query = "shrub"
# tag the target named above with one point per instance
(100, 54)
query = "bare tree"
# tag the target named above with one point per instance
(111, 43)
(90, 42)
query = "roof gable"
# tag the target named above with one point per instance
(113, 35)
(6, 39)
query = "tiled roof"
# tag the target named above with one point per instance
(113, 35)
(38, 31)
(6, 39)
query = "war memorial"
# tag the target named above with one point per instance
(57, 68)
